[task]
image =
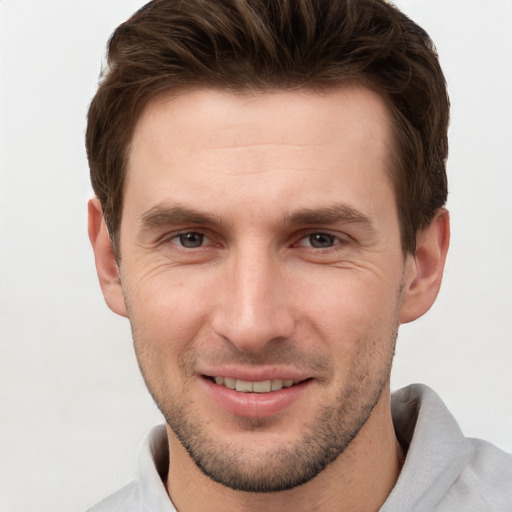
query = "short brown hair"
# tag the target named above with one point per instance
(258, 45)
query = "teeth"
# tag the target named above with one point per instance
(229, 383)
(262, 387)
(277, 384)
(244, 386)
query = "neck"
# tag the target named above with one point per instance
(360, 479)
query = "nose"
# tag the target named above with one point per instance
(253, 307)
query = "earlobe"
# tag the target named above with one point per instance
(425, 268)
(106, 264)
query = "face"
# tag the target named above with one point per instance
(262, 274)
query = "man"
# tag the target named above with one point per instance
(270, 188)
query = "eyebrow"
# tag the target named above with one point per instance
(329, 215)
(163, 215)
(172, 215)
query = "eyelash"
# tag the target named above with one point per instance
(335, 240)
(175, 237)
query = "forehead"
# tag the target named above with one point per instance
(204, 111)
(265, 147)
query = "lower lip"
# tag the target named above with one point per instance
(254, 405)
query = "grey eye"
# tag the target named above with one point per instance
(191, 240)
(321, 240)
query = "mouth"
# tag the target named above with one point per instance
(244, 386)
(268, 393)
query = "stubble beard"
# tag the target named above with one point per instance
(286, 467)
(323, 439)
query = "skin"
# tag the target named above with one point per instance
(260, 238)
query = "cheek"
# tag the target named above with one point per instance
(168, 296)
(166, 315)
(352, 316)
(350, 300)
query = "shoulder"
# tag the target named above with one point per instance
(127, 499)
(486, 477)
(444, 470)
(148, 492)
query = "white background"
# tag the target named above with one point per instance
(73, 407)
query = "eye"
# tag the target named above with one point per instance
(189, 240)
(319, 240)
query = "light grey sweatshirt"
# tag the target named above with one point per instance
(443, 470)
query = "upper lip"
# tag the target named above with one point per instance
(256, 374)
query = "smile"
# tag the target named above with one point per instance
(265, 386)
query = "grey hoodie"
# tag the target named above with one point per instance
(443, 470)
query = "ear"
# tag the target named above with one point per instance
(106, 264)
(424, 269)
